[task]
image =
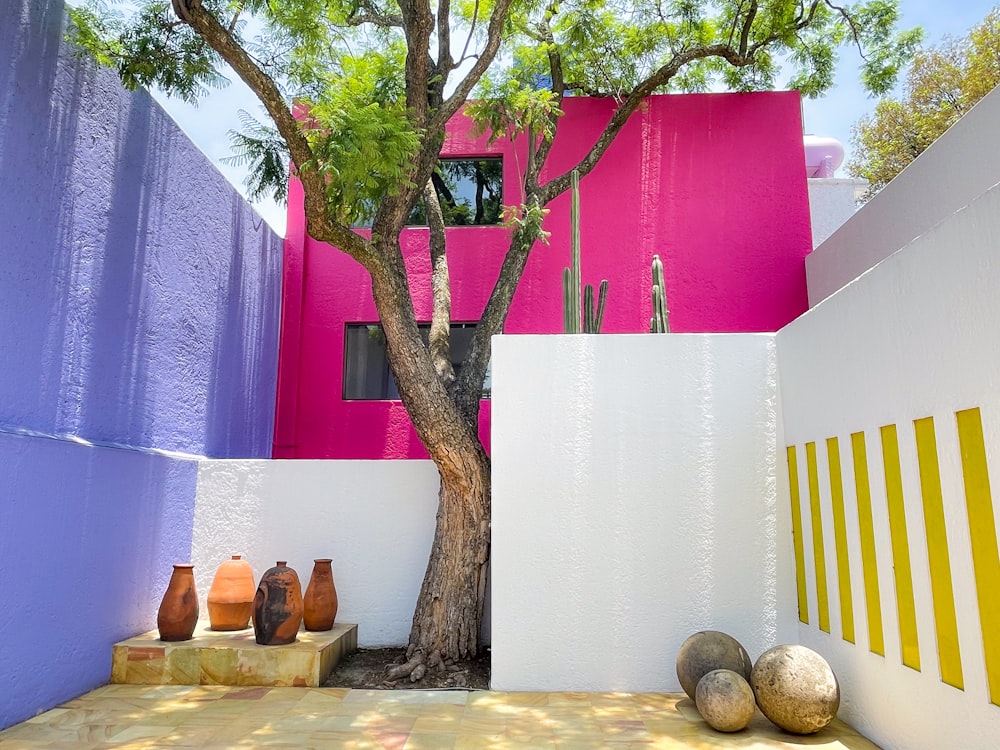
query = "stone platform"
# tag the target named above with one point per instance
(231, 658)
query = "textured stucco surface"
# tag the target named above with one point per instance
(914, 337)
(375, 519)
(138, 312)
(138, 289)
(958, 167)
(712, 183)
(88, 537)
(634, 503)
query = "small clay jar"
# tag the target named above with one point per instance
(320, 601)
(178, 613)
(230, 599)
(277, 606)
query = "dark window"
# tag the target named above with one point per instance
(366, 367)
(470, 191)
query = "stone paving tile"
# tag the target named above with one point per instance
(136, 717)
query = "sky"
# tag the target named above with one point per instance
(209, 123)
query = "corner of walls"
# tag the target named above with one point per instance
(139, 301)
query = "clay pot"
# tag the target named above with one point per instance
(320, 601)
(178, 613)
(277, 606)
(230, 600)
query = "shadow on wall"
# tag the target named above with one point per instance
(240, 345)
(37, 137)
(139, 289)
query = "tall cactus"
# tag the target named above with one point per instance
(591, 318)
(660, 322)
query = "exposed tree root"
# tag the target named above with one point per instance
(417, 665)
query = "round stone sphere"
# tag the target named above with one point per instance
(795, 688)
(725, 700)
(707, 651)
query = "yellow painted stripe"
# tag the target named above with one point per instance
(840, 539)
(800, 559)
(900, 548)
(945, 623)
(982, 529)
(819, 556)
(869, 566)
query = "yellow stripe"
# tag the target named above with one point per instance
(982, 529)
(900, 548)
(949, 656)
(819, 556)
(800, 564)
(840, 539)
(869, 566)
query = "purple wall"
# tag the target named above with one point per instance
(87, 537)
(139, 299)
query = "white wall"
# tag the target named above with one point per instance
(374, 518)
(917, 336)
(957, 168)
(831, 203)
(634, 503)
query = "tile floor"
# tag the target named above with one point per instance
(217, 718)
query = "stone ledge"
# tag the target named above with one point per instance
(231, 658)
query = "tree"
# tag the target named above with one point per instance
(378, 81)
(942, 84)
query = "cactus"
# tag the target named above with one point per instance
(591, 318)
(660, 322)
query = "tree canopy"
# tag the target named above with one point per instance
(359, 93)
(942, 84)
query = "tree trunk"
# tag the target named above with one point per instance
(449, 611)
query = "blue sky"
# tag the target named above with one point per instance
(833, 115)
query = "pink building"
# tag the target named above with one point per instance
(713, 183)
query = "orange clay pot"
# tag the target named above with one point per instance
(277, 606)
(320, 601)
(230, 600)
(178, 613)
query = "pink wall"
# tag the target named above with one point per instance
(712, 182)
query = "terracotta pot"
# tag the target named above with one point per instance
(277, 606)
(178, 613)
(230, 600)
(320, 601)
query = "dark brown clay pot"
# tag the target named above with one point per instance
(178, 613)
(230, 600)
(320, 601)
(277, 606)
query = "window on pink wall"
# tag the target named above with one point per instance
(470, 189)
(367, 376)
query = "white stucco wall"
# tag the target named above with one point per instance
(374, 518)
(914, 337)
(634, 503)
(831, 203)
(957, 168)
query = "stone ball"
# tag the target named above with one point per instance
(707, 651)
(725, 700)
(795, 688)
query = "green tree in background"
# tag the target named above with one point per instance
(943, 83)
(378, 81)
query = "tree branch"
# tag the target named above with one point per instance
(439, 340)
(494, 36)
(445, 64)
(560, 184)
(319, 223)
(558, 88)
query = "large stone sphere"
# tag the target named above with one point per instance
(725, 700)
(707, 651)
(795, 688)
